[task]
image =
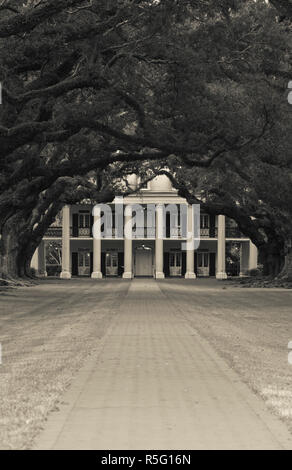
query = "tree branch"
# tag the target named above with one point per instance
(26, 22)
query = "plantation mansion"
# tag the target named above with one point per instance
(145, 253)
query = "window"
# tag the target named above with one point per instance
(206, 260)
(111, 260)
(84, 220)
(84, 259)
(87, 259)
(200, 260)
(203, 260)
(175, 260)
(205, 221)
(172, 260)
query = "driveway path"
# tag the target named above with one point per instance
(156, 384)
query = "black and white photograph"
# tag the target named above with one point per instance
(145, 228)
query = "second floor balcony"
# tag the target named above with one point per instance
(143, 233)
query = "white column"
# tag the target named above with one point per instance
(96, 232)
(66, 273)
(42, 260)
(128, 244)
(253, 256)
(244, 258)
(190, 274)
(221, 250)
(159, 274)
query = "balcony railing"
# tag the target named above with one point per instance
(57, 232)
(112, 233)
(84, 232)
(205, 232)
(54, 232)
(144, 232)
(80, 232)
(175, 233)
(209, 232)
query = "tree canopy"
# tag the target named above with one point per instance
(90, 83)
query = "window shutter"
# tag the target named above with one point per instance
(212, 264)
(91, 225)
(120, 264)
(212, 226)
(103, 268)
(75, 225)
(74, 264)
(166, 264)
(91, 262)
(184, 263)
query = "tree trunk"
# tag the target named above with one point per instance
(25, 257)
(24, 267)
(15, 257)
(286, 272)
(271, 257)
(18, 243)
(9, 251)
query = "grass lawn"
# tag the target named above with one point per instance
(250, 329)
(46, 333)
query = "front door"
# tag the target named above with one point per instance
(143, 262)
(112, 264)
(175, 264)
(84, 263)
